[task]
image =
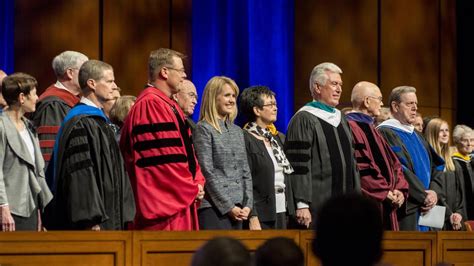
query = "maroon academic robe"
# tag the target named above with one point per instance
(380, 171)
(53, 105)
(157, 148)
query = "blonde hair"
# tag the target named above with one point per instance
(120, 109)
(442, 149)
(209, 112)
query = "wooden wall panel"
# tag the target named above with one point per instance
(181, 31)
(43, 29)
(342, 32)
(131, 31)
(409, 47)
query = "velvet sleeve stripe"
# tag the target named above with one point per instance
(297, 145)
(300, 170)
(298, 157)
(359, 146)
(79, 132)
(46, 143)
(48, 129)
(76, 149)
(364, 159)
(368, 172)
(80, 166)
(156, 127)
(162, 159)
(157, 143)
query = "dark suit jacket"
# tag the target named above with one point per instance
(263, 177)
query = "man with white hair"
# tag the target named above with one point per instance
(319, 146)
(415, 154)
(187, 98)
(57, 100)
(381, 174)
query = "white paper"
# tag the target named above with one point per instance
(434, 217)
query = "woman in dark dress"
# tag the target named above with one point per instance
(267, 161)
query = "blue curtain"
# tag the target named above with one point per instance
(250, 41)
(7, 8)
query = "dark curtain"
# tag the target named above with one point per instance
(250, 41)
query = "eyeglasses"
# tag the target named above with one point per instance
(380, 98)
(181, 70)
(272, 104)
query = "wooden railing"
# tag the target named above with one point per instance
(176, 248)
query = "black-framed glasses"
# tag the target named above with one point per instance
(180, 70)
(272, 104)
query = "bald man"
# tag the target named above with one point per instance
(187, 98)
(380, 171)
(3, 103)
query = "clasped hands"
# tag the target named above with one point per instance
(239, 214)
(430, 200)
(396, 198)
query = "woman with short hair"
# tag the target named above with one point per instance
(23, 189)
(266, 158)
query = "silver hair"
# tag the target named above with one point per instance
(459, 131)
(68, 59)
(319, 76)
(397, 92)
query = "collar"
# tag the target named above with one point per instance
(333, 118)
(59, 85)
(86, 101)
(466, 158)
(321, 106)
(394, 123)
(360, 117)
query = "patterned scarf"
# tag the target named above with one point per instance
(280, 156)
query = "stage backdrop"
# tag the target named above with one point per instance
(248, 41)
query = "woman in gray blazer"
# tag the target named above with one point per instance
(220, 150)
(267, 160)
(23, 189)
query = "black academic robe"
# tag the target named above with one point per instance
(465, 173)
(450, 194)
(92, 186)
(322, 157)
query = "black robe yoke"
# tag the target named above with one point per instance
(322, 157)
(92, 184)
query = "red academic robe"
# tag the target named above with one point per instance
(379, 168)
(156, 158)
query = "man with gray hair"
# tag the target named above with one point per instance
(56, 101)
(381, 174)
(417, 157)
(92, 188)
(319, 146)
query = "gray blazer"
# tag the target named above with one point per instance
(22, 183)
(223, 161)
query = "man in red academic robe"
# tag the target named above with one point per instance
(380, 171)
(56, 101)
(158, 151)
